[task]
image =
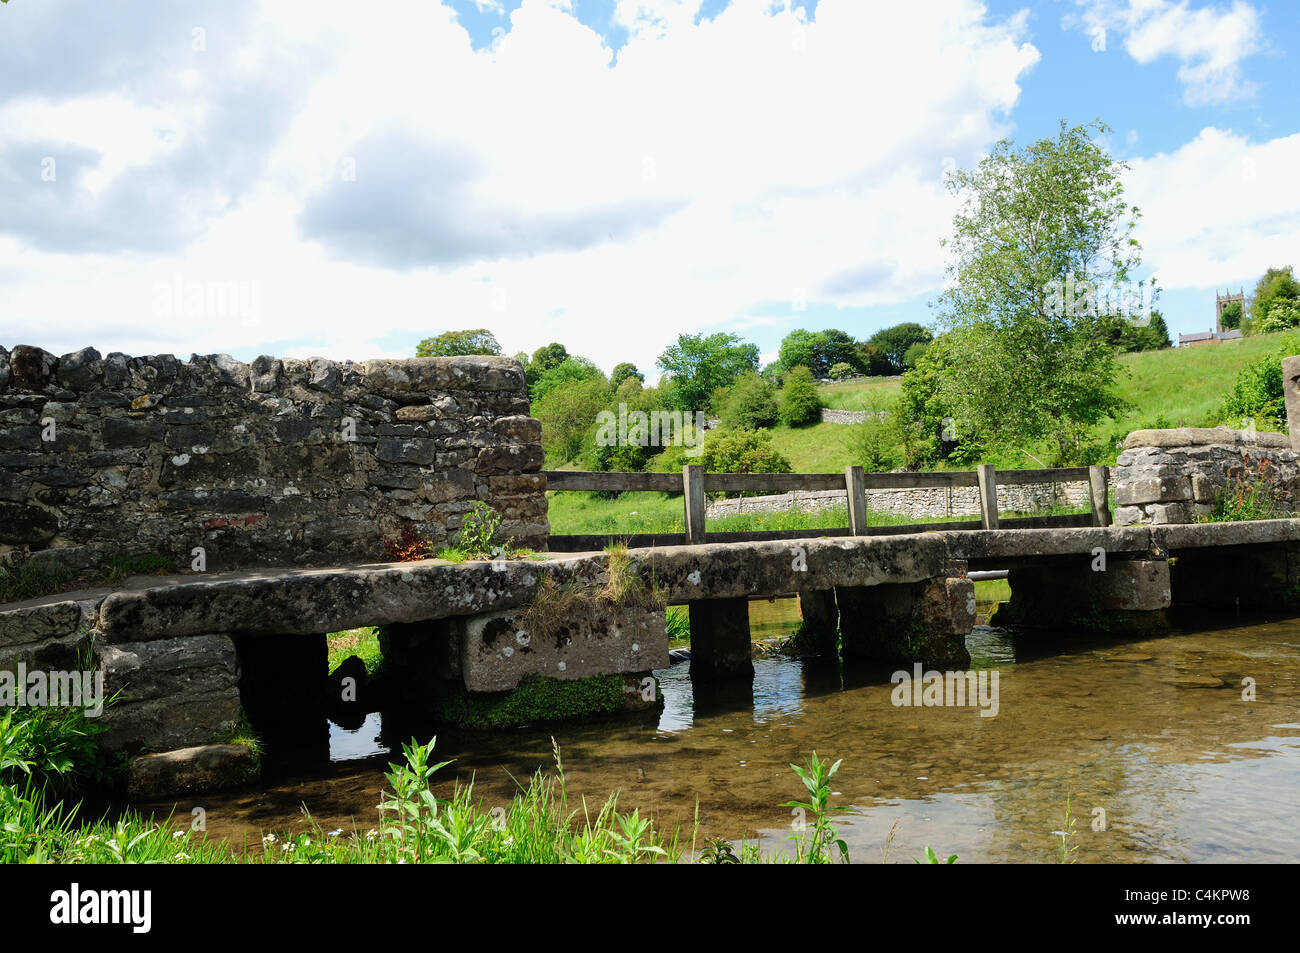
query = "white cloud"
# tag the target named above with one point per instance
(540, 188)
(1211, 43)
(1213, 212)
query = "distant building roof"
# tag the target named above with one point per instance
(1202, 336)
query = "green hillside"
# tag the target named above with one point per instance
(1168, 388)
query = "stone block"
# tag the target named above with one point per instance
(721, 647)
(176, 721)
(1131, 584)
(170, 668)
(498, 649)
(1162, 513)
(1152, 489)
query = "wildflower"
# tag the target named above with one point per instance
(336, 833)
(176, 835)
(182, 856)
(268, 839)
(371, 834)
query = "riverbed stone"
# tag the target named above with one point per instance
(200, 769)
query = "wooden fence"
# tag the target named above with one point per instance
(694, 483)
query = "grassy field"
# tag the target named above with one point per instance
(858, 394)
(1168, 388)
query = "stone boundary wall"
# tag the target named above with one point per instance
(830, 416)
(916, 503)
(277, 462)
(1175, 476)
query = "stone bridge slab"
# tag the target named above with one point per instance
(734, 570)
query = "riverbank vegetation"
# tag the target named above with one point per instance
(541, 825)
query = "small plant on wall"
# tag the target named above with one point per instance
(410, 546)
(1252, 494)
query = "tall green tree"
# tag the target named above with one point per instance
(625, 371)
(456, 343)
(894, 341)
(698, 366)
(571, 370)
(1277, 286)
(1037, 231)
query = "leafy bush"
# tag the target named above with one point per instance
(1281, 316)
(914, 352)
(568, 415)
(841, 371)
(750, 404)
(800, 402)
(53, 748)
(742, 451)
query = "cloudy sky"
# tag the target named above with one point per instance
(343, 179)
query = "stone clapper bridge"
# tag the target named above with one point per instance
(559, 634)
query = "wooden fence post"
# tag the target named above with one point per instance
(1098, 479)
(988, 483)
(693, 497)
(857, 491)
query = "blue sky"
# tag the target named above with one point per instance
(605, 174)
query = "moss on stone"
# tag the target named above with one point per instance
(535, 699)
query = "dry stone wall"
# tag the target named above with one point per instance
(277, 462)
(1176, 476)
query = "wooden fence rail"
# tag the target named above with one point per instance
(694, 484)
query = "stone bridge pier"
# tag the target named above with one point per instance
(886, 599)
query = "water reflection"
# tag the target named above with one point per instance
(354, 744)
(1152, 742)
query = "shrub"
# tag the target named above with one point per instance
(742, 451)
(800, 402)
(841, 371)
(750, 404)
(876, 443)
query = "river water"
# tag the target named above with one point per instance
(1154, 744)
